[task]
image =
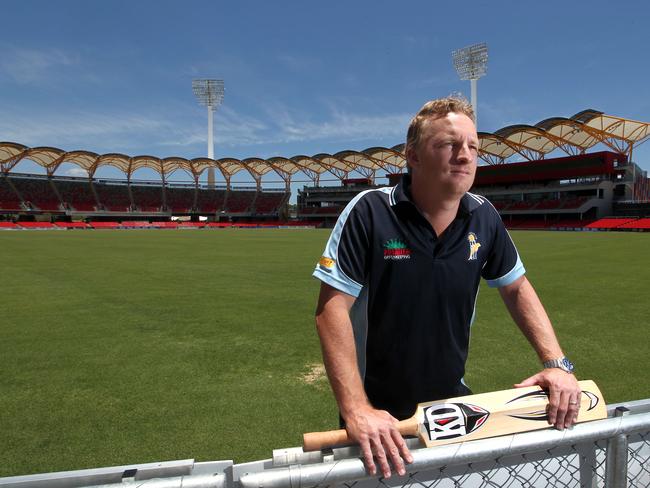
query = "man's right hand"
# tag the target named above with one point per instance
(374, 430)
(377, 434)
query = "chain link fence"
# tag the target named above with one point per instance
(610, 453)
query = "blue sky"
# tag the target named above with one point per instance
(302, 77)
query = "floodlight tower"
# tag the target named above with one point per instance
(209, 93)
(471, 63)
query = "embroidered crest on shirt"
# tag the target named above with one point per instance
(474, 244)
(326, 264)
(396, 249)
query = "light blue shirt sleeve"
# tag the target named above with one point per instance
(510, 277)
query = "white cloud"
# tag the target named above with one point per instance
(26, 66)
(133, 133)
(75, 171)
(299, 64)
(431, 82)
(501, 113)
(69, 130)
(278, 124)
(347, 127)
(339, 124)
(231, 128)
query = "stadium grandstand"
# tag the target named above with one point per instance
(590, 182)
(574, 190)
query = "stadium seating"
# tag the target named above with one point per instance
(303, 223)
(179, 200)
(165, 225)
(113, 197)
(240, 201)
(266, 223)
(533, 224)
(501, 204)
(76, 195)
(36, 225)
(522, 205)
(147, 198)
(574, 202)
(210, 200)
(136, 224)
(328, 210)
(524, 223)
(191, 225)
(609, 223)
(549, 204)
(269, 202)
(8, 198)
(570, 223)
(38, 192)
(143, 224)
(71, 225)
(640, 224)
(104, 225)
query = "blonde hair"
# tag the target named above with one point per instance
(434, 109)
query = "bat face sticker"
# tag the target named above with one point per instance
(449, 420)
(540, 415)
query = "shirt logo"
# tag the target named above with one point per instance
(396, 249)
(326, 264)
(474, 244)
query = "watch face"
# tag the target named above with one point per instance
(568, 365)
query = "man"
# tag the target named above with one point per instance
(405, 263)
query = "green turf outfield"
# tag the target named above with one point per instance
(122, 347)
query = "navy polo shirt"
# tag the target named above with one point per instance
(416, 292)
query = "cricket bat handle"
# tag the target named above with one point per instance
(315, 441)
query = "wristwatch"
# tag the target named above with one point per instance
(563, 363)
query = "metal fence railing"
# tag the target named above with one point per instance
(609, 453)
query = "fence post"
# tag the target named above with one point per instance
(587, 457)
(616, 462)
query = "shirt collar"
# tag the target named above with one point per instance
(402, 191)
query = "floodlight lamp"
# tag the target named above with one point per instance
(471, 61)
(208, 92)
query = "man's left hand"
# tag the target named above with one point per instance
(564, 395)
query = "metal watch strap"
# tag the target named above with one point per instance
(562, 363)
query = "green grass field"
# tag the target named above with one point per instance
(121, 347)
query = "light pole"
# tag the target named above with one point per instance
(209, 93)
(471, 63)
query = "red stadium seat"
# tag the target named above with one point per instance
(165, 225)
(38, 192)
(179, 200)
(610, 223)
(36, 225)
(76, 195)
(104, 225)
(240, 201)
(113, 197)
(147, 198)
(71, 225)
(640, 224)
(136, 224)
(9, 200)
(270, 202)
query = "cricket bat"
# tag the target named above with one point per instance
(476, 417)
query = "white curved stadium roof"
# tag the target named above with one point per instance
(573, 135)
